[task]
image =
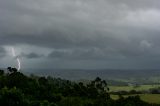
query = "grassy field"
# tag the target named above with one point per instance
(150, 98)
(129, 88)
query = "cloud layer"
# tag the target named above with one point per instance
(2, 52)
(108, 33)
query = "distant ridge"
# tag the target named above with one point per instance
(73, 74)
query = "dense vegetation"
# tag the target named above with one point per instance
(17, 89)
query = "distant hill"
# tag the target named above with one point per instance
(145, 76)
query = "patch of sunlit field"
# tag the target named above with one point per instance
(149, 98)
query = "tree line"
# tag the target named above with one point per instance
(17, 89)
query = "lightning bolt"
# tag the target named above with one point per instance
(17, 59)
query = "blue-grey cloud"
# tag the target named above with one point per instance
(2, 52)
(31, 55)
(105, 30)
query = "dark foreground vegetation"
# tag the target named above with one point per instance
(16, 89)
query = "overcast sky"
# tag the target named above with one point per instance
(81, 34)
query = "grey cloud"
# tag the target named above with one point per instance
(62, 23)
(80, 54)
(83, 29)
(137, 4)
(31, 55)
(110, 53)
(2, 52)
(60, 54)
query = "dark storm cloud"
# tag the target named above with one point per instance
(143, 49)
(31, 55)
(62, 23)
(83, 29)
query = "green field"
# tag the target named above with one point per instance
(150, 98)
(129, 88)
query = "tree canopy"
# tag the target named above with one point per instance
(17, 89)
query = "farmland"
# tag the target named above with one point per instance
(151, 98)
(129, 88)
